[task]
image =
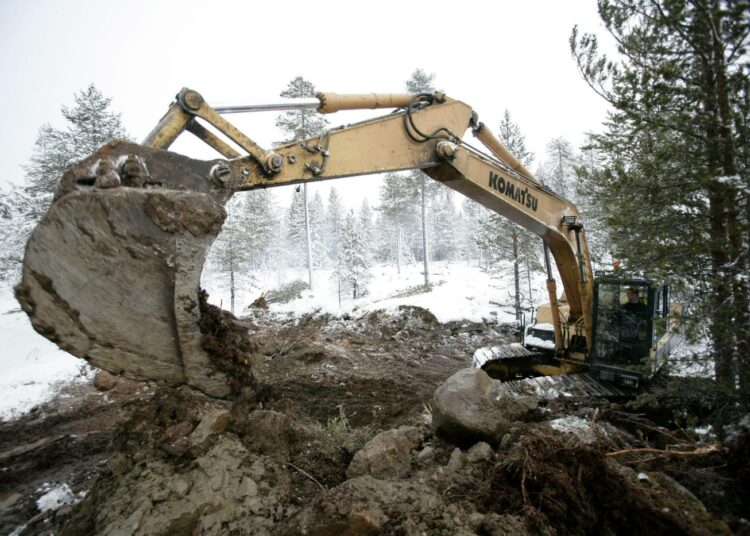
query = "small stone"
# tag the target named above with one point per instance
(505, 441)
(456, 461)
(475, 521)
(104, 381)
(213, 423)
(246, 488)
(217, 480)
(480, 452)
(179, 430)
(426, 453)
(180, 485)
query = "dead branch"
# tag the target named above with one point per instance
(701, 451)
(303, 473)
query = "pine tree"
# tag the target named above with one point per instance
(421, 82)
(300, 125)
(89, 124)
(676, 176)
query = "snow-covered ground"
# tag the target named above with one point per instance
(460, 291)
(33, 368)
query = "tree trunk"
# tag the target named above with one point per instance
(231, 277)
(721, 314)
(516, 275)
(308, 239)
(398, 246)
(424, 233)
(738, 263)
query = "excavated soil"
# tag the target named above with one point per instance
(329, 432)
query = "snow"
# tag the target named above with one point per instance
(488, 353)
(34, 369)
(539, 343)
(581, 428)
(459, 292)
(54, 497)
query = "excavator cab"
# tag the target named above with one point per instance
(629, 318)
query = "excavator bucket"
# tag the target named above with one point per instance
(112, 272)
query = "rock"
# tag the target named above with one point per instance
(478, 453)
(387, 455)
(104, 381)
(456, 461)
(505, 441)
(468, 408)
(268, 432)
(176, 441)
(413, 434)
(213, 423)
(502, 525)
(475, 521)
(217, 493)
(364, 506)
(426, 453)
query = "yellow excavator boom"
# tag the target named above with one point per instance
(112, 271)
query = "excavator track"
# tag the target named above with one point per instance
(511, 363)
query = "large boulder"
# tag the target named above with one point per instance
(469, 408)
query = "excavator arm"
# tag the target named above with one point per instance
(112, 271)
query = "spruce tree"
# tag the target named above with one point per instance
(261, 219)
(367, 228)
(334, 220)
(509, 241)
(231, 248)
(397, 199)
(352, 265)
(296, 238)
(558, 171)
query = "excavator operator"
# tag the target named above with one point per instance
(634, 303)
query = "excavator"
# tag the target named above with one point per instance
(111, 273)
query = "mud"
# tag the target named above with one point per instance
(298, 449)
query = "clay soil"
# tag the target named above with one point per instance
(152, 459)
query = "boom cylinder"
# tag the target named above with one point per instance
(334, 102)
(489, 140)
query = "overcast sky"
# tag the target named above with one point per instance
(491, 55)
